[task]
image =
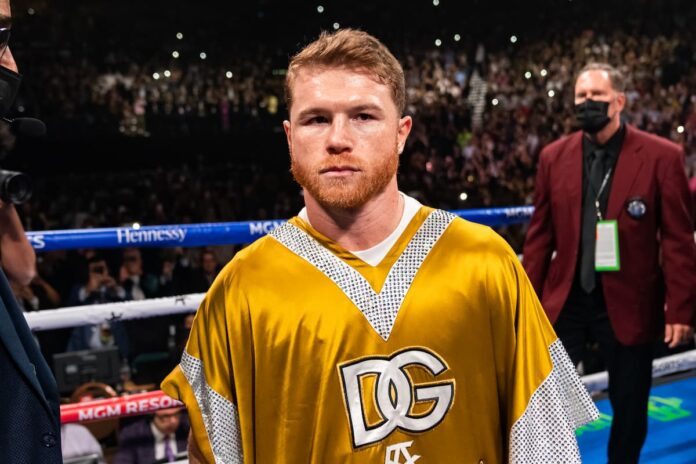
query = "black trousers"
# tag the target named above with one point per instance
(583, 318)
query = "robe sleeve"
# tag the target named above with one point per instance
(204, 380)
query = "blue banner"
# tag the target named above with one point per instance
(220, 233)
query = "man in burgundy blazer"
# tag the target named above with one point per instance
(654, 292)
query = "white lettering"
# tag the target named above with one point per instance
(130, 236)
(262, 228)
(131, 408)
(37, 241)
(395, 394)
(85, 415)
(394, 453)
(114, 410)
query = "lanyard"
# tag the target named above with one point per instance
(601, 189)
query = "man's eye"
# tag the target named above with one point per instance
(317, 120)
(364, 117)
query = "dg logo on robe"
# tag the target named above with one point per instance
(636, 208)
(394, 394)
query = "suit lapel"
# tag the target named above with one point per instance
(11, 339)
(627, 168)
(572, 166)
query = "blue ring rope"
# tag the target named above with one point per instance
(219, 233)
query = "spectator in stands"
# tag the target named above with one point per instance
(77, 441)
(176, 275)
(39, 294)
(137, 284)
(162, 436)
(99, 288)
(205, 275)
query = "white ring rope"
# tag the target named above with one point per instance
(661, 367)
(75, 316)
(98, 313)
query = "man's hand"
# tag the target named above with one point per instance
(17, 254)
(93, 282)
(678, 334)
(109, 282)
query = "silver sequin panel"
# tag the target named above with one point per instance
(545, 433)
(380, 309)
(219, 415)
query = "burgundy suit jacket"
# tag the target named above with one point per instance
(657, 250)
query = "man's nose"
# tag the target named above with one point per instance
(339, 139)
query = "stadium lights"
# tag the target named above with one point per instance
(513, 39)
(320, 9)
(528, 75)
(438, 42)
(463, 196)
(457, 37)
(31, 11)
(336, 26)
(155, 76)
(495, 102)
(680, 129)
(136, 225)
(203, 55)
(175, 54)
(179, 35)
(436, 2)
(167, 73)
(551, 93)
(229, 74)
(543, 72)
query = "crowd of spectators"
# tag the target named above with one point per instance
(481, 117)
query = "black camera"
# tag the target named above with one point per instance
(15, 187)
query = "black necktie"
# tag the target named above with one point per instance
(589, 221)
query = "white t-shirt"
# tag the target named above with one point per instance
(373, 256)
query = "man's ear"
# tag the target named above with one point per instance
(405, 125)
(288, 132)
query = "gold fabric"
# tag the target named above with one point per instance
(280, 341)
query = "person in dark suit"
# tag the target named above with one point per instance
(148, 440)
(611, 171)
(30, 409)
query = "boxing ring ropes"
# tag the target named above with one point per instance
(193, 235)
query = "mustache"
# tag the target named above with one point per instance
(343, 163)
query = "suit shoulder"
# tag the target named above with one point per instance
(136, 430)
(656, 145)
(556, 148)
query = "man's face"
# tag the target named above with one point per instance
(133, 262)
(345, 136)
(6, 58)
(596, 85)
(167, 420)
(98, 267)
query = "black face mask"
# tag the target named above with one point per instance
(9, 85)
(593, 116)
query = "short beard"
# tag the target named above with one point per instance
(339, 193)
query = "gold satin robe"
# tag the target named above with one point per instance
(303, 353)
